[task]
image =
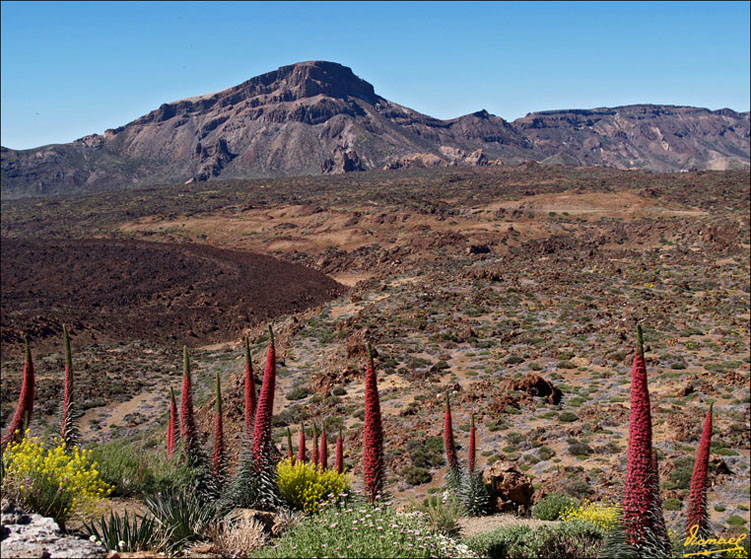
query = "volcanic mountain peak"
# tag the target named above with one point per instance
(308, 79)
(318, 116)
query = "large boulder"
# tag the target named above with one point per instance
(535, 386)
(510, 489)
(31, 536)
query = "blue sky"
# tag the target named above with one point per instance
(71, 69)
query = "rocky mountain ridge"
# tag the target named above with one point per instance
(319, 117)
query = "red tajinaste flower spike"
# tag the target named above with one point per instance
(471, 466)
(339, 461)
(290, 454)
(696, 515)
(265, 410)
(250, 393)
(188, 431)
(172, 425)
(218, 459)
(65, 422)
(324, 451)
(314, 457)
(372, 455)
(22, 416)
(638, 496)
(448, 438)
(301, 446)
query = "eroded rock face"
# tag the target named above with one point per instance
(342, 162)
(510, 489)
(31, 536)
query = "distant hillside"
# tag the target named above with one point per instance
(319, 117)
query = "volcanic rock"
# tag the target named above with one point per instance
(35, 536)
(510, 489)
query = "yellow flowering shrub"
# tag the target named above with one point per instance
(52, 481)
(305, 487)
(602, 515)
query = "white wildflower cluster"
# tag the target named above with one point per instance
(451, 548)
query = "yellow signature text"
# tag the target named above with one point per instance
(718, 544)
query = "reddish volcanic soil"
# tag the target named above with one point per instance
(123, 289)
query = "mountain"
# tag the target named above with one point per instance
(319, 117)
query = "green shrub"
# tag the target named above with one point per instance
(135, 471)
(680, 477)
(415, 475)
(672, 504)
(514, 437)
(298, 393)
(520, 541)
(565, 364)
(364, 531)
(426, 453)
(546, 453)
(339, 391)
(551, 506)
(567, 417)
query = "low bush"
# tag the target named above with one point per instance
(415, 475)
(54, 482)
(134, 470)
(520, 541)
(552, 506)
(567, 417)
(364, 531)
(298, 393)
(304, 486)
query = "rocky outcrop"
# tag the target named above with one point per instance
(510, 489)
(319, 117)
(342, 162)
(211, 160)
(31, 536)
(534, 386)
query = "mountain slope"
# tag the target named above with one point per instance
(315, 117)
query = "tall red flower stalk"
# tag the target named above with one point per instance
(372, 455)
(218, 459)
(290, 454)
(638, 497)
(250, 393)
(22, 417)
(339, 461)
(265, 410)
(448, 439)
(314, 457)
(324, 455)
(172, 425)
(696, 515)
(471, 465)
(301, 446)
(188, 431)
(66, 421)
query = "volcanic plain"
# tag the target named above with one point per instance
(472, 280)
